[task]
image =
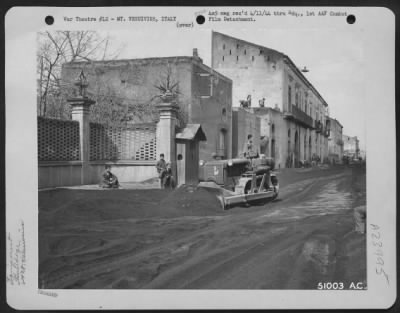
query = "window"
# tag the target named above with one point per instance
(244, 51)
(230, 52)
(237, 58)
(252, 58)
(261, 52)
(223, 58)
(290, 96)
(205, 85)
(223, 46)
(237, 46)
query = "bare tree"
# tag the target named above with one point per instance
(56, 48)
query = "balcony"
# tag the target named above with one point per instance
(298, 116)
(319, 127)
(327, 128)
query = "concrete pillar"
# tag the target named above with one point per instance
(166, 130)
(80, 112)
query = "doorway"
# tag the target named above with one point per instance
(296, 149)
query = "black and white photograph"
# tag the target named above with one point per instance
(210, 150)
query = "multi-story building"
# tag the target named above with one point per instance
(297, 113)
(351, 147)
(335, 141)
(204, 94)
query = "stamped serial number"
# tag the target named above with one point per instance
(340, 286)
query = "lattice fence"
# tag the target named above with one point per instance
(137, 142)
(58, 140)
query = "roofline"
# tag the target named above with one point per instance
(284, 56)
(188, 59)
(309, 85)
(354, 137)
(332, 118)
(185, 57)
(248, 42)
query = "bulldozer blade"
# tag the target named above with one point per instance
(244, 199)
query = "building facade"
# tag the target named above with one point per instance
(335, 142)
(266, 78)
(205, 95)
(244, 124)
(351, 147)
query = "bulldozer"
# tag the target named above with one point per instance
(241, 181)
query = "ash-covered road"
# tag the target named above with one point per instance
(136, 239)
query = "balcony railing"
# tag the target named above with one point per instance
(327, 128)
(299, 116)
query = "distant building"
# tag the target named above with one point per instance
(351, 146)
(266, 79)
(205, 94)
(271, 120)
(335, 141)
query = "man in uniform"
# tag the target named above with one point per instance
(161, 168)
(109, 180)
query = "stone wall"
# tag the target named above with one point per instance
(205, 96)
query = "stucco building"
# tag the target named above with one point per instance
(351, 146)
(294, 116)
(204, 94)
(335, 141)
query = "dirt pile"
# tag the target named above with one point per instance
(191, 201)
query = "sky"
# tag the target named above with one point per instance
(334, 58)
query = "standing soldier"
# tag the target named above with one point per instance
(161, 168)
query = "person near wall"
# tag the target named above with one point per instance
(167, 180)
(250, 153)
(161, 168)
(109, 180)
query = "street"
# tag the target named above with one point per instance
(158, 239)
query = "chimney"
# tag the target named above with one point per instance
(196, 55)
